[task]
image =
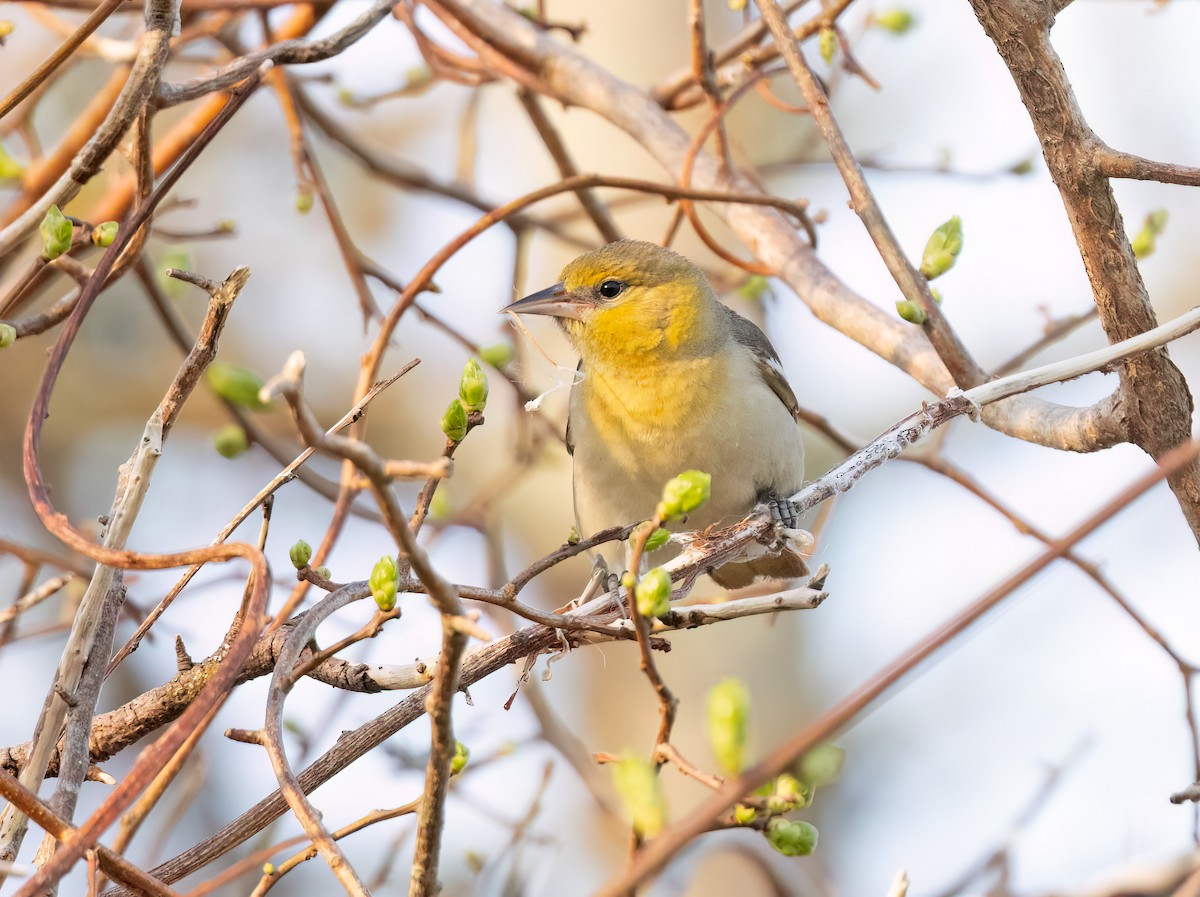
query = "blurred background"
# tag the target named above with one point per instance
(1056, 684)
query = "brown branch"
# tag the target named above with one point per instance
(657, 853)
(913, 286)
(116, 866)
(156, 755)
(1116, 164)
(1154, 405)
(61, 54)
(595, 210)
(282, 681)
(135, 94)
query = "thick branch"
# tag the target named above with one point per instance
(1154, 403)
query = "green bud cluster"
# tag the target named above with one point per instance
(325, 573)
(8, 334)
(230, 441)
(382, 582)
(728, 716)
(56, 231)
(653, 593)
(684, 494)
(640, 791)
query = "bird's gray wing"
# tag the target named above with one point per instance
(749, 335)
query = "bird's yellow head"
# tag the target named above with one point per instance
(631, 300)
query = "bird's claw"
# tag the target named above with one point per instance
(784, 512)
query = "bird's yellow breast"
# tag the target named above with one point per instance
(651, 401)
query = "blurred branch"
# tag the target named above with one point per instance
(116, 866)
(39, 75)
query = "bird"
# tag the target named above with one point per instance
(671, 379)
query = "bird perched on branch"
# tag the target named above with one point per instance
(671, 380)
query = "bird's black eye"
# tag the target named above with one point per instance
(611, 289)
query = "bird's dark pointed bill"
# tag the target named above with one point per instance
(554, 301)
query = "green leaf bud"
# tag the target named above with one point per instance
(827, 42)
(498, 354)
(300, 554)
(418, 73)
(230, 441)
(439, 505)
(910, 311)
(787, 794)
(10, 168)
(325, 573)
(896, 20)
(744, 815)
(56, 230)
(684, 493)
(653, 593)
(7, 27)
(454, 421)
(382, 582)
(943, 247)
(8, 334)
(753, 287)
(462, 755)
(174, 257)
(1146, 240)
(628, 580)
(728, 712)
(473, 387)
(237, 384)
(822, 765)
(640, 791)
(304, 200)
(268, 868)
(792, 837)
(104, 233)
(1022, 166)
(654, 541)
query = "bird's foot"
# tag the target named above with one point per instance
(784, 512)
